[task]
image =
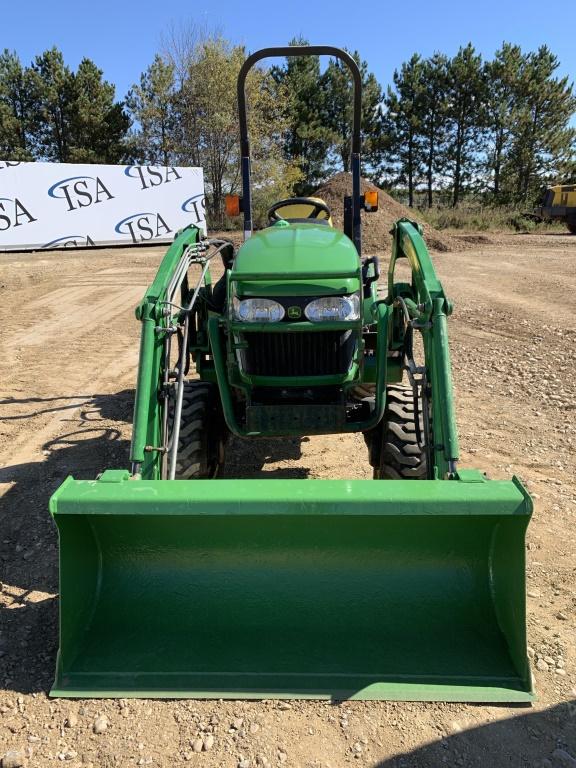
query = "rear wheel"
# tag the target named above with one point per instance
(394, 451)
(203, 433)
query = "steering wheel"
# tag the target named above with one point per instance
(317, 207)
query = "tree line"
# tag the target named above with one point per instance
(500, 127)
(446, 127)
(49, 112)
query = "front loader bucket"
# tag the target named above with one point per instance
(306, 588)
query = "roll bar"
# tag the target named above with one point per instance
(301, 50)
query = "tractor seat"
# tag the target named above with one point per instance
(298, 210)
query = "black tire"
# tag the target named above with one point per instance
(394, 451)
(203, 433)
(572, 226)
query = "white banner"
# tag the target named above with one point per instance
(59, 205)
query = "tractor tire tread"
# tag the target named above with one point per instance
(400, 456)
(197, 418)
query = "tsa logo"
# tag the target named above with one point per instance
(151, 175)
(80, 191)
(196, 205)
(143, 226)
(13, 213)
(70, 241)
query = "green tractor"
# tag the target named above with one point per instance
(177, 582)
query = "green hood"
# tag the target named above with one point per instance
(297, 259)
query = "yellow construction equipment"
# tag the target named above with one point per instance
(558, 204)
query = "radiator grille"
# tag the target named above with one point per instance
(314, 353)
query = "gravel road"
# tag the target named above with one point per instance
(68, 364)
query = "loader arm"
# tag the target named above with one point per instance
(427, 308)
(154, 313)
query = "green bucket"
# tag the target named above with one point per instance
(302, 588)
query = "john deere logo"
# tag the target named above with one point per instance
(294, 313)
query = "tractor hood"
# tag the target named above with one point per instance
(296, 260)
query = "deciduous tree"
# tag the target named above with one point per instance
(208, 124)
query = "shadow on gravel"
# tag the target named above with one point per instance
(28, 539)
(44, 405)
(556, 234)
(249, 458)
(29, 543)
(94, 407)
(544, 739)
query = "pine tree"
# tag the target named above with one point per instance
(16, 109)
(75, 116)
(338, 103)
(152, 105)
(307, 139)
(98, 124)
(53, 84)
(503, 75)
(466, 95)
(432, 106)
(543, 143)
(402, 123)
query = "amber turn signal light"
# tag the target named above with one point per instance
(232, 205)
(371, 200)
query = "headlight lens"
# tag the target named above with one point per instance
(257, 310)
(334, 308)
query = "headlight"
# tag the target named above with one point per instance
(257, 310)
(334, 308)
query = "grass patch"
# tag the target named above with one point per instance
(486, 219)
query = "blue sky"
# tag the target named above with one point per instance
(122, 36)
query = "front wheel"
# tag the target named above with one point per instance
(203, 433)
(394, 451)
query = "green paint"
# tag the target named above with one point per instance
(296, 260)
(314, 589)
(223, 365)
(325, 589)
(146, 429)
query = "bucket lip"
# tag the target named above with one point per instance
(528, 499)
(424, 498)
(485, 691)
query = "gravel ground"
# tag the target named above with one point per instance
(68, 363)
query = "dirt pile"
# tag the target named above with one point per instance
(376, 226)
